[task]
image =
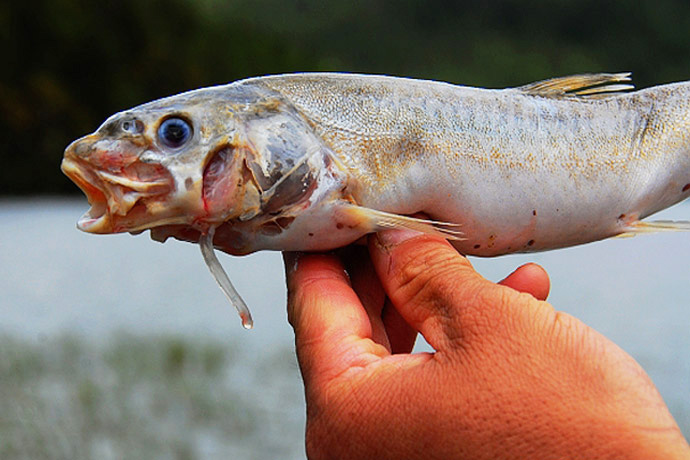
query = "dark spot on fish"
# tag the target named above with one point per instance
(686, 187)
(284, 222)
(188, 183)
(271, 228)
(530, 242)
(311, 234)
(534, 212)
(296, 187)
(339, 226)
(477, 246)
(621, 217)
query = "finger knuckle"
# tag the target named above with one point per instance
(426, 275)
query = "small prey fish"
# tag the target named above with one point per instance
(314, 161)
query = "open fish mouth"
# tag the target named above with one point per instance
(113, 196)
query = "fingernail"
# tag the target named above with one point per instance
(390, 238)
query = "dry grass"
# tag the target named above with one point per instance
(135, 397)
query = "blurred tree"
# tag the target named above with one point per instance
(68, 64)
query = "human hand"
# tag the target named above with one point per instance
(510, 376)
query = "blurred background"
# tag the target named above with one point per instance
(118, 347)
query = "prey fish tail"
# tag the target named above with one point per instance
(313, 162)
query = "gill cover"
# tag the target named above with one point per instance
(280, 163)
(266, 173)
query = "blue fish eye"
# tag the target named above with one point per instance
(174, 132)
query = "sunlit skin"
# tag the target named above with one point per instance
(511, 377)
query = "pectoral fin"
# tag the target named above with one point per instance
(374, 221)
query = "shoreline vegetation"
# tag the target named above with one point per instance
(69, 65)
(164, 396)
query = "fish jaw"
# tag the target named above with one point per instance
(125, 193)
(132, 186)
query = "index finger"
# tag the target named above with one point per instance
(332, 329)
(434, 288)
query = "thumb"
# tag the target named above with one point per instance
(429, 283)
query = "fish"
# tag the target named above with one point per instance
(315, 161)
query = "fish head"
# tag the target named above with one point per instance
(231, 156)
(146, 166)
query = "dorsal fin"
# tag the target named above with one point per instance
(585, 85)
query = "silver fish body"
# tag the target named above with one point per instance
(517, 170)
(315, 161)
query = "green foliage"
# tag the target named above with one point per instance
(68, 64)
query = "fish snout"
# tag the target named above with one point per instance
(123, 191)
(81, 148)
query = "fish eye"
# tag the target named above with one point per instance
(132, 126)
(174, 132)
